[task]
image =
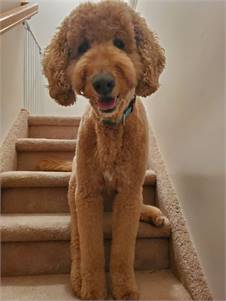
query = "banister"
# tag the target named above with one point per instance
(17, 15)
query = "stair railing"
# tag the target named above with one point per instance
(33, 79)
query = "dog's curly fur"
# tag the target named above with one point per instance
(110, 159)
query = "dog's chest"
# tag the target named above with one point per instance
(111, 180)
(109, 152)
(108, 176)
(109, 162)
(112, 154)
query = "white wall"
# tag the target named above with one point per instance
(188, 117)
(12, 74)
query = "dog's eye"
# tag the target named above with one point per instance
(83, 47)
(119, 43)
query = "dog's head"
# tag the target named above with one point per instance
(105, 52)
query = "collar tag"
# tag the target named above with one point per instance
(124, 119)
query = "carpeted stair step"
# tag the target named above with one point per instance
(46, 192)
(53, 127)
(153, 285)
(31, 151)
(39, 244)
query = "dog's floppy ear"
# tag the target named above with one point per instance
(55, 63)
(151, 56)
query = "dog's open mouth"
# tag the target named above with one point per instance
(107, 104)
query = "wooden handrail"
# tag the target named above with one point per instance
(17, 15)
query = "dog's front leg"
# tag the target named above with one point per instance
(125, 221)
(90, 228)
(75, 245)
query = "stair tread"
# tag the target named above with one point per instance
(34, 179)
(53, 120)
(46, 227)
(153, 285)
(49, 179)
(43, 144)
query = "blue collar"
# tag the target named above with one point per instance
(128, 110)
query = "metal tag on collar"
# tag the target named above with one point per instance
(124, 119)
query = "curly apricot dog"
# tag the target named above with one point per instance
(106, 52)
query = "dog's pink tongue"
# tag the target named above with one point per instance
(107, 105)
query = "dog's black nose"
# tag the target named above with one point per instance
(103, 83)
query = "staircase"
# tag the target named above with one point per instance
(35, 224)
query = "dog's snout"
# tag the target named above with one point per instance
(103, 84)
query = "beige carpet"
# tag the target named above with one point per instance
(161, 285)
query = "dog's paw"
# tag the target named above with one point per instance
(159, 220)
(93, 294)
(124, 285)
(93, 288)
(153, 215)
(75, 281)
(126, 295)
(76, 290)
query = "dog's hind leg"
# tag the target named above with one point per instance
(152, 214)
(75, 248)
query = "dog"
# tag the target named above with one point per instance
(106, 52)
